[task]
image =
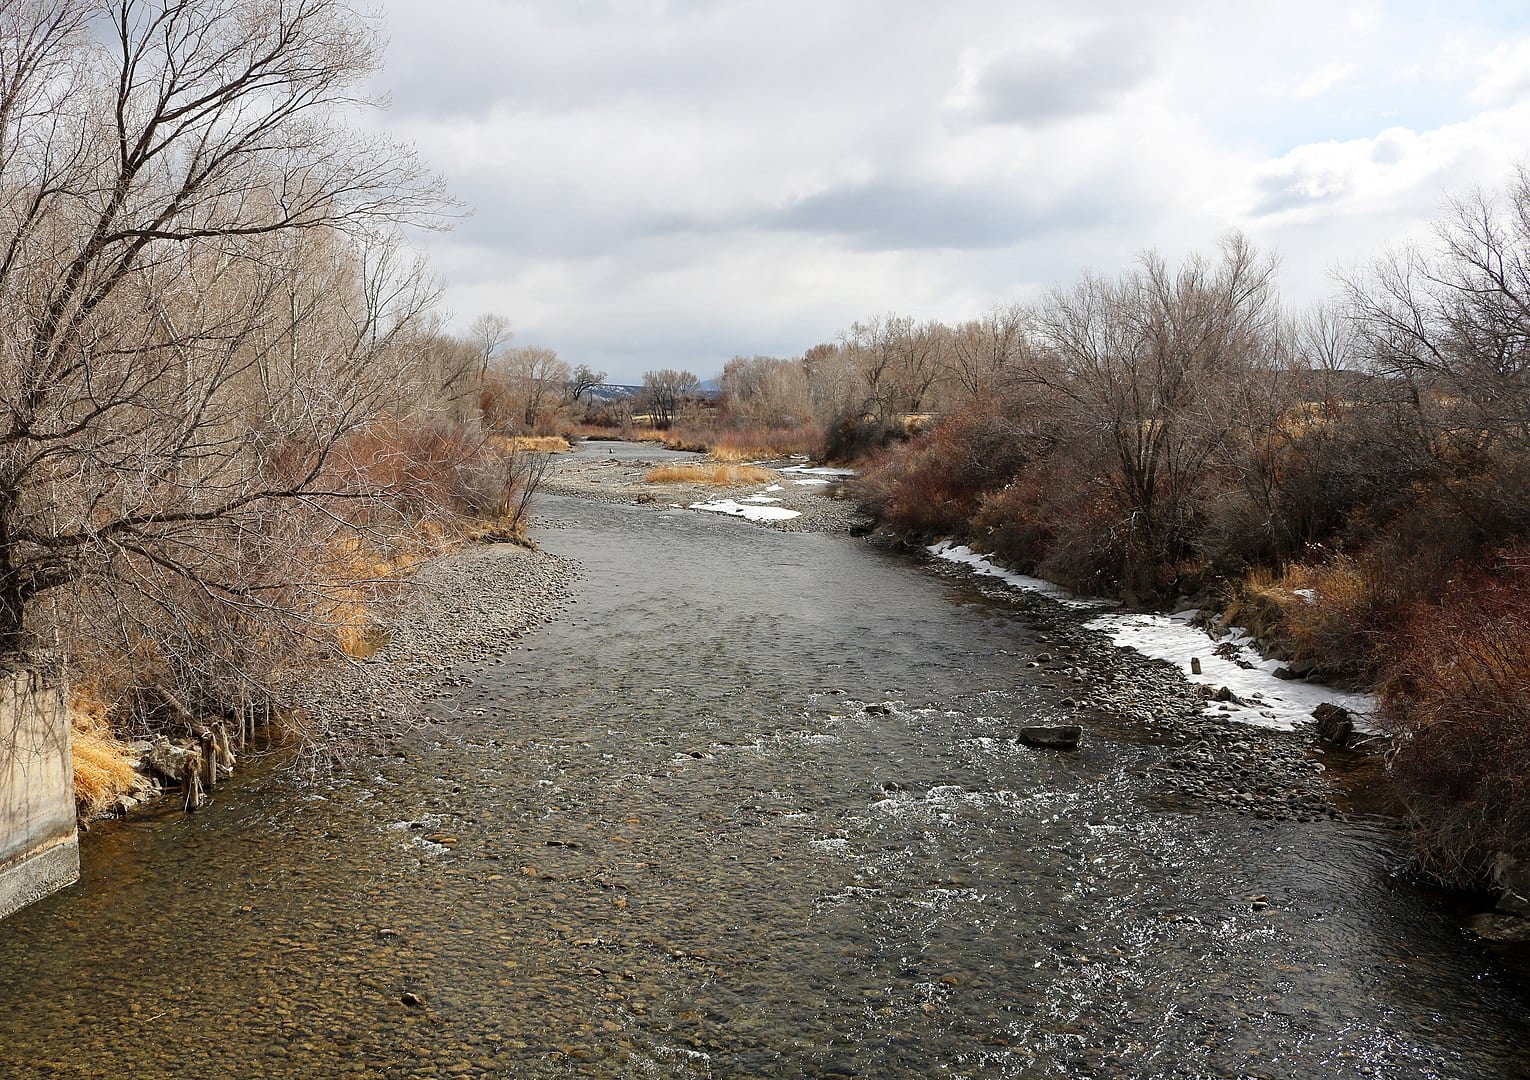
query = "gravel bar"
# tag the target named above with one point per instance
(462, 608)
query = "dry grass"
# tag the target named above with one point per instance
(1340, 613)
(729, 445)
(356, 573)
(103, 764)
(710, 475)
(1346, 611)
(733, 455)
(541, 444)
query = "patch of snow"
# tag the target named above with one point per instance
(820, 470)
(1266, 701)
(752, 513)
(775, 487)
(1308, 595)
(960, 553)
(811, 481)
(759, 499)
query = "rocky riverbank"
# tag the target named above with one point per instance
(1314, 772)
(461, 608)
(464, 607)
(1265, 774)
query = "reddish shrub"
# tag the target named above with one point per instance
(420, 470)
(934, 484)
(1458, 698)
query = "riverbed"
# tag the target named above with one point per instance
(753, 805)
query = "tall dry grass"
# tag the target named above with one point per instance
(623, 432)
(103, 764)
(541, 444)
(732, 445)
(710, 475)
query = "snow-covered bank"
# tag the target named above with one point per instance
(1233, 662)
(753, 512)
(821, 470)
(980, 564)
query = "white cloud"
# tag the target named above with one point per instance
(1398, 169)
(1505, 74)
(672, 183)
(1323, 80)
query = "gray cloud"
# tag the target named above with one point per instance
(1289, 190)
(909, 214)
(1044, 84)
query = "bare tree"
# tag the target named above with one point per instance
(1450, 326)
(532, 380)
(1137, 372)
(180, 210)
(488, 336)
(581, 381)
(898, 360)
(664, 391)
(764, 391)
(984, 349)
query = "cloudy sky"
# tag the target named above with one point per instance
(669, 183)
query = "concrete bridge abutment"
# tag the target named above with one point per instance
(39, 841)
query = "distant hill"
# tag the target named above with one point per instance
(620, 391)
(613, 391)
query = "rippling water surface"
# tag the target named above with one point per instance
(684, 849)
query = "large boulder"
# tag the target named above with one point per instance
(170, 762)
(1334, 724)
(1052, 737)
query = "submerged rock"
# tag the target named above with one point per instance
(1499, 928)
(1055, 737)
(1511, 877)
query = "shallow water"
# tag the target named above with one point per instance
(683, 849)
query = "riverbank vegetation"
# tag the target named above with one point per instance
(1352, 482)
(231, 421)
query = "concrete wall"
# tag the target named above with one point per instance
(39, 847)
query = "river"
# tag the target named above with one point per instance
(684, 847)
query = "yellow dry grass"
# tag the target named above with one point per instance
(747, 444)
(355, 570)
(103, 764)
(733, 453)
(710, 475)
(542, 444)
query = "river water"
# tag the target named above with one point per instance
(684, 848)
